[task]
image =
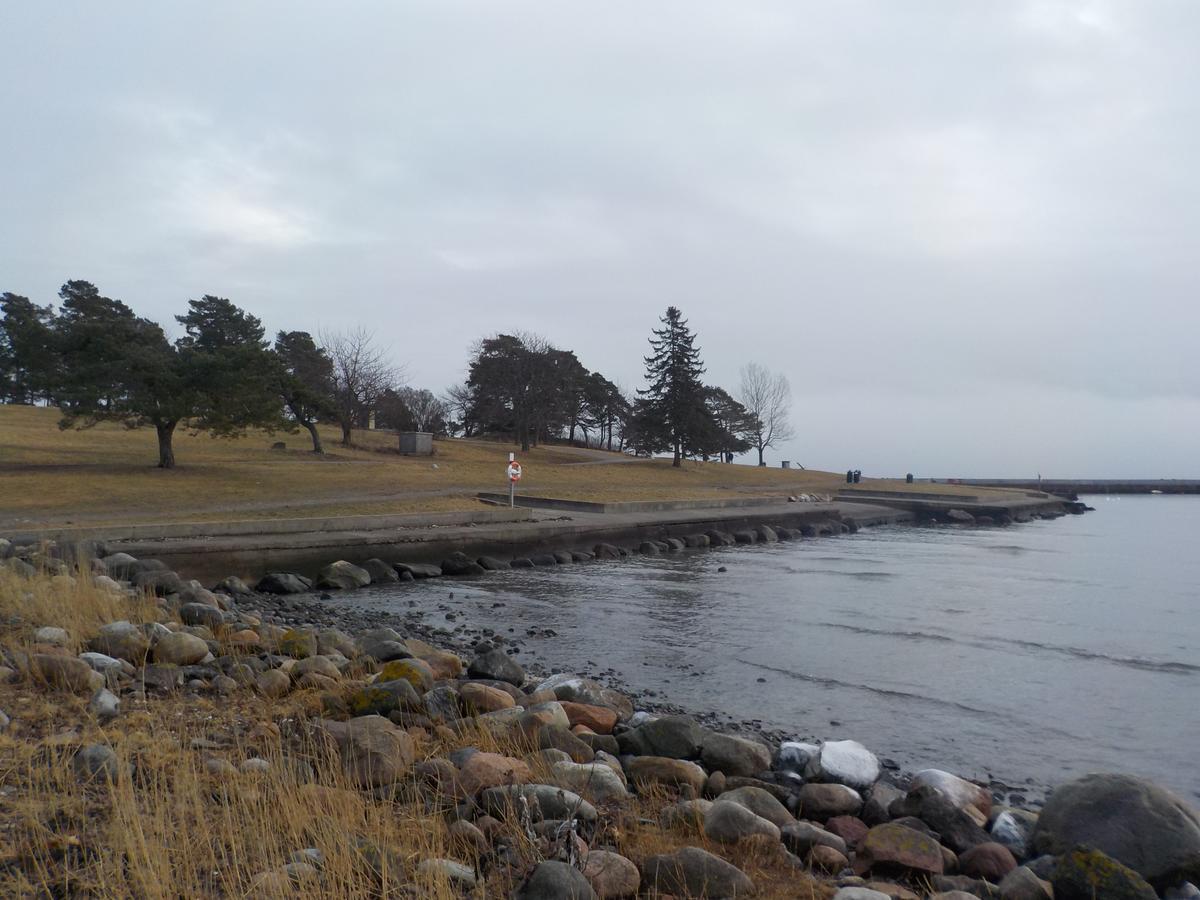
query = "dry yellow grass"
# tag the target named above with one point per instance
(172, 825)
(106, 475)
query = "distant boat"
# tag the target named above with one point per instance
(1156, 491)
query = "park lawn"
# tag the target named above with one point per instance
(107, 475)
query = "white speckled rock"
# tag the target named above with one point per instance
(794, 756)
(844, 762)
(958, 791)
(48, 634)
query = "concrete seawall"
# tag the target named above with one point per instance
(211, 551)
(1074, 486)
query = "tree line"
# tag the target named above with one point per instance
(96, 360)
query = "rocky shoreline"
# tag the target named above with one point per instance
(541, 770)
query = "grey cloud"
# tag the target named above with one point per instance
(987, 209)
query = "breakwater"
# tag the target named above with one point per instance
(1072, 487)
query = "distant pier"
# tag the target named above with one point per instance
(1074, 486)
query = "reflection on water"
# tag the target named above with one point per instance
(1039, 651)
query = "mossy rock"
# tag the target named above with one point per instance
(298, 644)
(416, 672)
(1086, 874)
(383, 697)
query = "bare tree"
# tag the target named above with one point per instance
(361, 373)
(426, 409)
(768, 399)
(459, 402)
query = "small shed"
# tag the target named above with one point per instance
(416, 443)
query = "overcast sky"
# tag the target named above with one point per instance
(967, 232)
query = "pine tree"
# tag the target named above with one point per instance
(673, 414)
(116, 366)
(26, 349)
(305, 382)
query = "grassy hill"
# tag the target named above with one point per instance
(106, 475)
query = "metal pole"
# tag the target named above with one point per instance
(511, 491)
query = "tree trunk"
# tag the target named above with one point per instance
(347, 426)
(760, 456)
(676, 462)
(316, 437)
(166, 453)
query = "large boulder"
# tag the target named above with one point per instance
(559, 737)
(383, 697)
(298, 643)
(734, 755)
(585, 690)
(675, 737)
(595, 781)
(824, 801)
(671, 773)
(610, 874)
(599, 719)
(119, 565)
(1022, 884)
(1131, 819)
(97, 762)
(893, 847)
(957, 825)
(122, 640)
(381, 572)
(283, 583)
(844, 762)
(729, 823)
(52, 636)
(374, 751)
(384, 645)
(233, 587)
(180, 649)
(159, 582)
(418, 570)
(458, 563)
(487, 770)
(546, 801)
(342, 576)
(443, 663)
(415, 671)
(759, 802)
(201, 614)
(801, 837)
(483, 698)
(692, 872)
(497, 666)
(1014, 829)
(1087, 874)
(66, 673)
(554, 880)
(990, 861)
(965, 795)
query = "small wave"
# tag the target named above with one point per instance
(1133, 662)
(843, 574)
(882, 692)
(1016, 549)
(883, 632)
(1171, 667)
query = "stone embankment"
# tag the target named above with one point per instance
(209, 551)
(558, 786)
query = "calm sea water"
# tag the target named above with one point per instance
(1030, 654)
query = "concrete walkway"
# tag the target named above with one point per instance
(210, 557)
(249, 548)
